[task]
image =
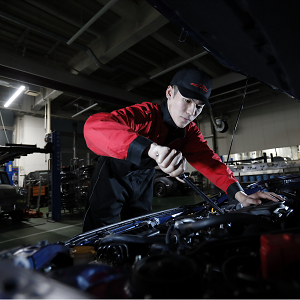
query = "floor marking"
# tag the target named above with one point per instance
(26, 236)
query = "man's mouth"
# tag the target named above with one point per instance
(186, 119)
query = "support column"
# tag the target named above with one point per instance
(55, 177)
(48, 128)
(74, 139)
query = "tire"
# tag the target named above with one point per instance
(160, 190)
(17, 216)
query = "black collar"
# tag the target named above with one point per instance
(179, 132)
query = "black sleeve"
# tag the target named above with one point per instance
(233, 189)
(135, 152)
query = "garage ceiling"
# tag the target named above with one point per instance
(79, 53)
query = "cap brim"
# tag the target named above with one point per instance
(192, 95)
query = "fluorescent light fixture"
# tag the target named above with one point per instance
(15, 95)
(84, 110)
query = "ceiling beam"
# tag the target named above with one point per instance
(47, 6)
(127, 9)
(166, 37)
(27, 71)
(159, 71)
(118, 39)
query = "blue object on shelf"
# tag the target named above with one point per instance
(266, 176)
(252, 178)
(272, 176)
(259, 177)
(245, 178)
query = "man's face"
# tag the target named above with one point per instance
(182, 110)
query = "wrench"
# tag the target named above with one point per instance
(198, 191)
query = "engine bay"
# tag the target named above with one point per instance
(191, 251)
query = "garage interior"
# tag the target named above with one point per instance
(77, 58)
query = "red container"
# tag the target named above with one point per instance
(277, 252)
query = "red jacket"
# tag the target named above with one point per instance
(125, 133)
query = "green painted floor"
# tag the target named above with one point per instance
(34, 230)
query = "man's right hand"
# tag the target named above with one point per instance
(169, 160)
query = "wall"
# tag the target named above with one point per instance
(275, 124)
(271, 125)
(30, 130)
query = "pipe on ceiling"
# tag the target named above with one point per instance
(58, 14)
(56, 37)
(91, 21)
(233, 90)
(179, 64)
(236, 96)
(85, 110)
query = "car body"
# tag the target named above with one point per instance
(12, 199)
(183, 252)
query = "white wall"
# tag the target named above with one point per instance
(30, 130)
(275, 124)
(272, 125)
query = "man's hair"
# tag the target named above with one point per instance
(175, 87)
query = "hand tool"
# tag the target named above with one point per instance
(198, 191)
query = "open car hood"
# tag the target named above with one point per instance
(186, 252)
(252, 37)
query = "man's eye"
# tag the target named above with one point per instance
(187, 100)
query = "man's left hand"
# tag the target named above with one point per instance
(255, 198)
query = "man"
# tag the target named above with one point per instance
(131, 141)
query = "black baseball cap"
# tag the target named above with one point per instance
(193, 84)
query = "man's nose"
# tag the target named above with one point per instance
(191, 109)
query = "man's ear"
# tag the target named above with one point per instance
(169, 92)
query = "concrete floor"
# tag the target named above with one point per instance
(34, 230)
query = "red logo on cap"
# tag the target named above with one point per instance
(200, 86)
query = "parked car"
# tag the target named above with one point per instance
(197, 178)
(13, 199)
(165, 185)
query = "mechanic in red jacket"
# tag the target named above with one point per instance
(133, 140)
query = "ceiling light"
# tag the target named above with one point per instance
(15, 95)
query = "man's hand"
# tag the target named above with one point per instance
(246, 200)
(169, 160)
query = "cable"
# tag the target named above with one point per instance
(237, 120)
(4, 127)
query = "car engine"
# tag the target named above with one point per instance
(191, 251)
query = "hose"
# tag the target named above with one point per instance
(129, 238)
(226, 218)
